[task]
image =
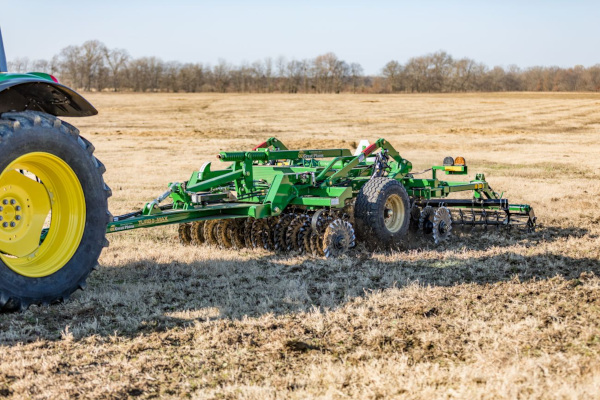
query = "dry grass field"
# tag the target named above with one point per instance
(488, 315)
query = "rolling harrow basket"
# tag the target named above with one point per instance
(54, 212)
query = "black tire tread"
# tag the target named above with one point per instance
(13, 123)
(369, 222)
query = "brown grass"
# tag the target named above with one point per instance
(487, 315)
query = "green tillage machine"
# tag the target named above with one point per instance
(54, 202)
(315, 200)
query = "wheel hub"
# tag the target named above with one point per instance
(393, 213)
(442, 227)
(339, 242)
(39, 190)
(10, 213)
(24, 206)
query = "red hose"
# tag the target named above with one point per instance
(260, 146)
(369, 149)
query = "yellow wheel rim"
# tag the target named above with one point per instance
(393, 213)
(41, 200)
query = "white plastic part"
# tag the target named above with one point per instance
(363, 144)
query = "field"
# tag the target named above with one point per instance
(487, 315)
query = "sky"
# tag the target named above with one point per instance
(525, 33)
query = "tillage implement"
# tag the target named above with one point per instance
(319, 201)
(54, 211)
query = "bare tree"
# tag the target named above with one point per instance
(294, 74)
(116, 59)
(92, 66)
(392, 72)
(91, 61)
(329, 72)
(464, 74)
(69, 59)
(268, 73)
(221, 75)
(19, 65)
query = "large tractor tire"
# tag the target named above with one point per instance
(53, 212)
(382, 213)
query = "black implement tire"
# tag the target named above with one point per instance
(24, 136)
(382, 213)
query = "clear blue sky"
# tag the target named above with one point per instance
(526, 33)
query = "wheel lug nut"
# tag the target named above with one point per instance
(12, 224)
(18, 208)
(1, 218)
(5, 201)
(12, 201)
(18, 217)
(1, 208)
(5, 224)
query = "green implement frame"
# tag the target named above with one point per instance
(268, 179)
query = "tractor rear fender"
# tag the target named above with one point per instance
(38, 94)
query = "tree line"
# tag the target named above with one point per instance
(94, 67)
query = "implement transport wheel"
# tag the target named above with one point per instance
(54, 210)
(382, 213)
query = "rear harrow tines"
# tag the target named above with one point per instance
(469, 217)
(497, 222)
(185, 234)
(521, 221)
(462, 217)
(197, 233)
(483, 217)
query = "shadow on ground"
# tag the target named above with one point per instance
(146, 296)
